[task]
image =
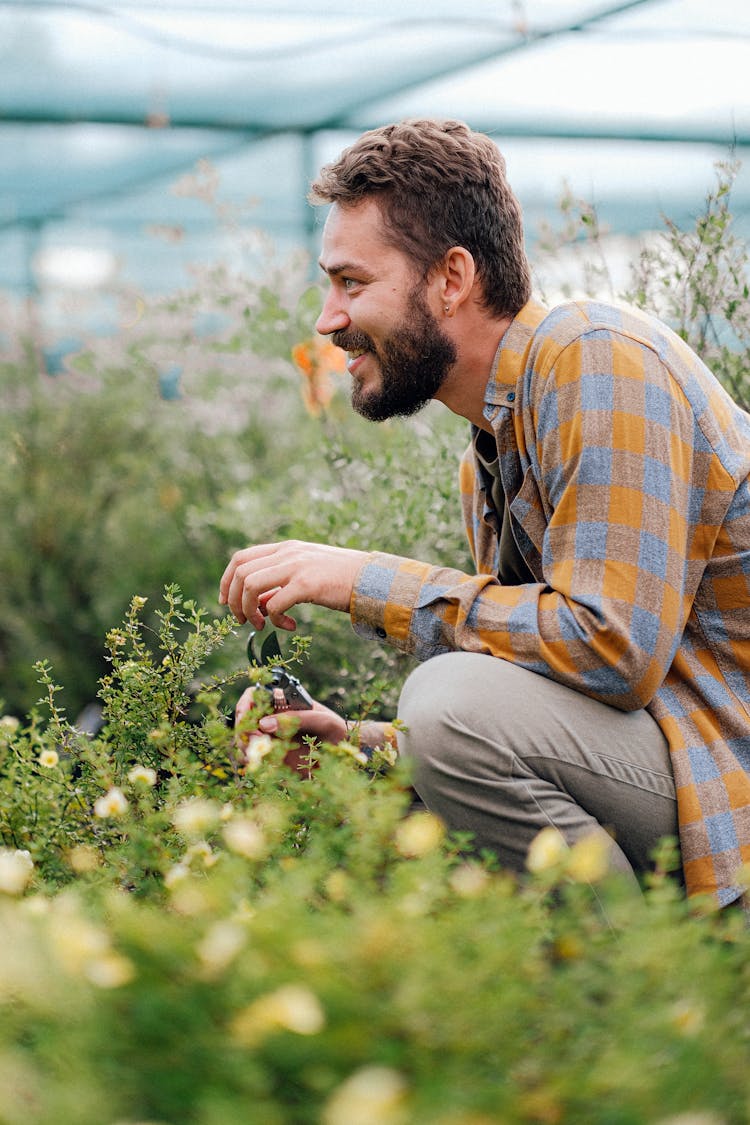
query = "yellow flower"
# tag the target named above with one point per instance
(293, 1007)
(353, 752)
(338, 885)
(547, 850)
(49, 759)
(142, 775)
(589, 858)
(688, 1018)
(112, 804)
(373, 1095)
(16, 867)
(419, 834)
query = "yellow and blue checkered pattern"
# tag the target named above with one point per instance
(625, 467)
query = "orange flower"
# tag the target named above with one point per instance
(317, 361)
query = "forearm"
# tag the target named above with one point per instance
(564, 633)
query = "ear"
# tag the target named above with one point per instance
(455, 277)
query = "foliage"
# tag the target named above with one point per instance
(194, 932)
(697, 280)
(159, 452)
(213, 419)
(197, 935)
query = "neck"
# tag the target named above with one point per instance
(476, 338)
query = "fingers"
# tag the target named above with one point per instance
(259, 582)
(267, 580)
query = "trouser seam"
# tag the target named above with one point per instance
(604, 776)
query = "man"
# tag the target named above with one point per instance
(594, 673)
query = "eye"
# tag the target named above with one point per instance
(349, 283)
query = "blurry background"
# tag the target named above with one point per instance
(104, 105)
(163, 399)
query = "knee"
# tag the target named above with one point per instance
(421, 709)
(438, 704)
(463, 710)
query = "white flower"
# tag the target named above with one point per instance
(112, 804)
(15, 870)
(293, 1007)
(469, 880)
(200, 850)
(111, 970)
(221, 944)
(78, 942)
(258, 747)
(9, 724)
(196, 816)
(244, 837)
(176, 875)
(373, 1095)
(49, 759)
(143, 775)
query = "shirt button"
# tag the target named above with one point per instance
(511, 396)
(380, 631)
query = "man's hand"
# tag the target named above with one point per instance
(321, 722)
(267, 580)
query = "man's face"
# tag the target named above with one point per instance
(377, 310)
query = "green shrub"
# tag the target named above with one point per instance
(203, 942)
(110, 488)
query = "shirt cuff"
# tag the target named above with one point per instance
(384, 597)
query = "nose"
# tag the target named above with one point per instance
(333, 318)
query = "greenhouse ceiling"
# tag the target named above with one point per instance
(105, 106)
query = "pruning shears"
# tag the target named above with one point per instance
(287, 693)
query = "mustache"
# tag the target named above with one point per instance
(352, 341)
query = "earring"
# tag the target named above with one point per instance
(446, 308)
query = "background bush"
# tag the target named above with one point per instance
(159, 451)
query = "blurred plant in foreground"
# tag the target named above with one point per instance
(186, 939)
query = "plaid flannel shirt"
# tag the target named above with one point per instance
(625, 468)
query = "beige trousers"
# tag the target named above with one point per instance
(502, 752)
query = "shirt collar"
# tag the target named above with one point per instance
(510, 357)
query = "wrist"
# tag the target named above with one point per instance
(370, 736)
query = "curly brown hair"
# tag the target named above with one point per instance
(439, 184)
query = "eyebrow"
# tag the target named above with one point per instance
(341, 268)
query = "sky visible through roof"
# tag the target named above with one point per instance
(104, 105)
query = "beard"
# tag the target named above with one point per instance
(414, 363)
